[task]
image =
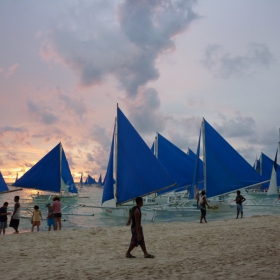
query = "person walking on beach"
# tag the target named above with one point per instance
(36, 218)
(3, 217)
(202, 202)
(14, 223)
(57, 212)
(239, 200)
(136, 230)
(50, 218)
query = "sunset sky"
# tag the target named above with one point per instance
(64, 65)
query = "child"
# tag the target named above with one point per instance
(50, 218)
(36, 217)
(3, 217)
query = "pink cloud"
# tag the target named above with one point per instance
(11, 70)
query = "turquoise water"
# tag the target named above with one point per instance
(92, 196)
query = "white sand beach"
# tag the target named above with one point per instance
(230, 249)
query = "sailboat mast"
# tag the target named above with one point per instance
(204, 154)
(279, 143)
(60, 165)
(156, 146)
(116, 153)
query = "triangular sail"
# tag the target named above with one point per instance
(90, 180)
(100, 180)
(3, 185)
(81, 180)
(67, 183)
(266, 167)
(153, 148)
(197, 172)
(108, 191)
(49, 173)
(273, 189)
(139, 173)
(226, 170)
(178, 164)
(44, 175)
(191, 154)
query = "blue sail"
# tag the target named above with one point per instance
(3, 185)
(226, 169)
(178, 164)
(47, 174)
(66, 175)
(266, 167)
(100, 180)
(108, 191)
(258, 167)
(81, 180)
(197, 172)
(90, 180)
(153, 148)
(139, 173)
(200, 166)
(191, 154)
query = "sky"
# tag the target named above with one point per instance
(64, 66)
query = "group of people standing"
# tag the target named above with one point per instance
(15, 218)
(202, 203)
(53, 218)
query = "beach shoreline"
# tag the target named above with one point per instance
(225, 249)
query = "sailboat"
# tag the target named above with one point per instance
(273, 188)
(81, 180)
(100, 181)
(138, 172)
(90, 181)
(178, 164)
(3, 186)
(224, 171)
(51, 173)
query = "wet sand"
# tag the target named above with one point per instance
(230, 249)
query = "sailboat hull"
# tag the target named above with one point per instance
(45, 198)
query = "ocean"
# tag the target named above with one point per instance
(93, 217)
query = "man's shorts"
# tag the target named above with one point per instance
(203, 211)
(57, 215)
(36, 223)
(134, 241)
(3, 225)
(14, 223)
(239, 207)
(50, 222)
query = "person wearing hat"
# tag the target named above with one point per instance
(50, 218)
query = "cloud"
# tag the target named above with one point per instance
(11, 70)
(90, 157)
(11, 156)
(236, 127)
(99, 135)
(225, 65)
(41, 113)
(73, 105)
(1, 162)
(6, 129)
(124, 39)
(144, 112)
